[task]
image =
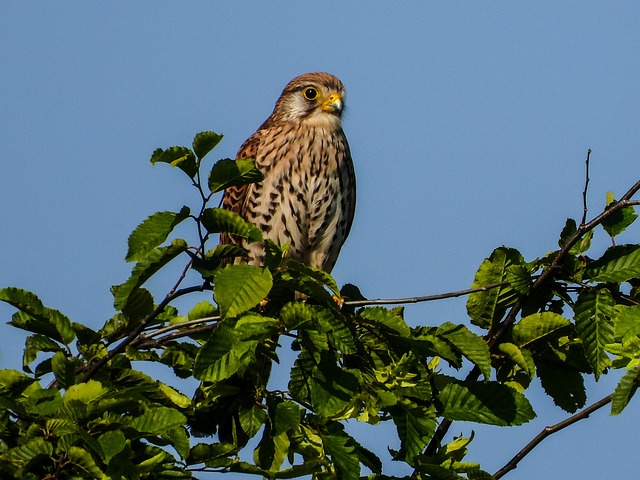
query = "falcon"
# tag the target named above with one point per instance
(307, 197)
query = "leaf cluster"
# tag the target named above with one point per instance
(83, 406)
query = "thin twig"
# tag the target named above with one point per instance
(513, 463)
(141, 326)
(586, 187)
(495, 336)
(426, 298)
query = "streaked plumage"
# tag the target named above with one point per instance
(307, 197)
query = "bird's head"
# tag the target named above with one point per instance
(312, 98)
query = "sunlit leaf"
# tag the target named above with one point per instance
(594, 312)
(536, 326)
(489, 306)
(625, 389)
(157, 420)
(343, 451)
(241, 287)
(618, 264)
(152, 232)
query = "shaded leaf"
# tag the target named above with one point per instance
(342, 449)
(217, 220)
(152, 232)
(390, 319)
(564, 384)
(617, 222)
(145, 269)
(84, 462)
(38, 319)
(415, 424)
(593, 316)
(204, 142)
(227, 172)
(180, 157)
(491, 403)
(472, 346)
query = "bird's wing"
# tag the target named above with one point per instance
(234, 198)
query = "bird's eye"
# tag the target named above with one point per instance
(310, 93)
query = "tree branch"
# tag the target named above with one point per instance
(586, 187)
(426, 298)
(510, 318)
(513, 463)
(136, 332)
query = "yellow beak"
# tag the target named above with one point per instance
(333, 104)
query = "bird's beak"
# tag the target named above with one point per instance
(333, 104)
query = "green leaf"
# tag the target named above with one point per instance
(241, 287)
(226, 173)
(36, 344)
(625, 389)
(204, 142)
(203, 452)
(416, 424)
(490, 403)
(287, 417)
(217, 360)
(618, 264)
(627, 323)
(519, 278)
(336, 327)
(516, 356)
(145, 269)
(84, 462)
(564, 384)
(158, 420)
(139, 304)
(85, 392)
(569, 230)
(593, 317)
(320, 276)
(27, 454)
(617, 222)
(63, 369)
(180, 157)
(111, 443)
(217, 220)
(343, 451)
(489, 306)
(38, 319)
(536, 326)
(332, 389)
(252, 419)
(390, 319)
(469, 344)
(152, 232)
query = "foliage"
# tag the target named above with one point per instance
(83, 408)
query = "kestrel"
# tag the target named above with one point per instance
(308, 195)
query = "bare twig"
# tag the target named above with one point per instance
(513, 463)
(426, 298)
(586, 187)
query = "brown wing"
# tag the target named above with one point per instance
(234, 198)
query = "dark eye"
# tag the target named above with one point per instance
(310, 93)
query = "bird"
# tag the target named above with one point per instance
(305, 200)
(307, 197)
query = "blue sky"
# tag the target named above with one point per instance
(469, 123)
